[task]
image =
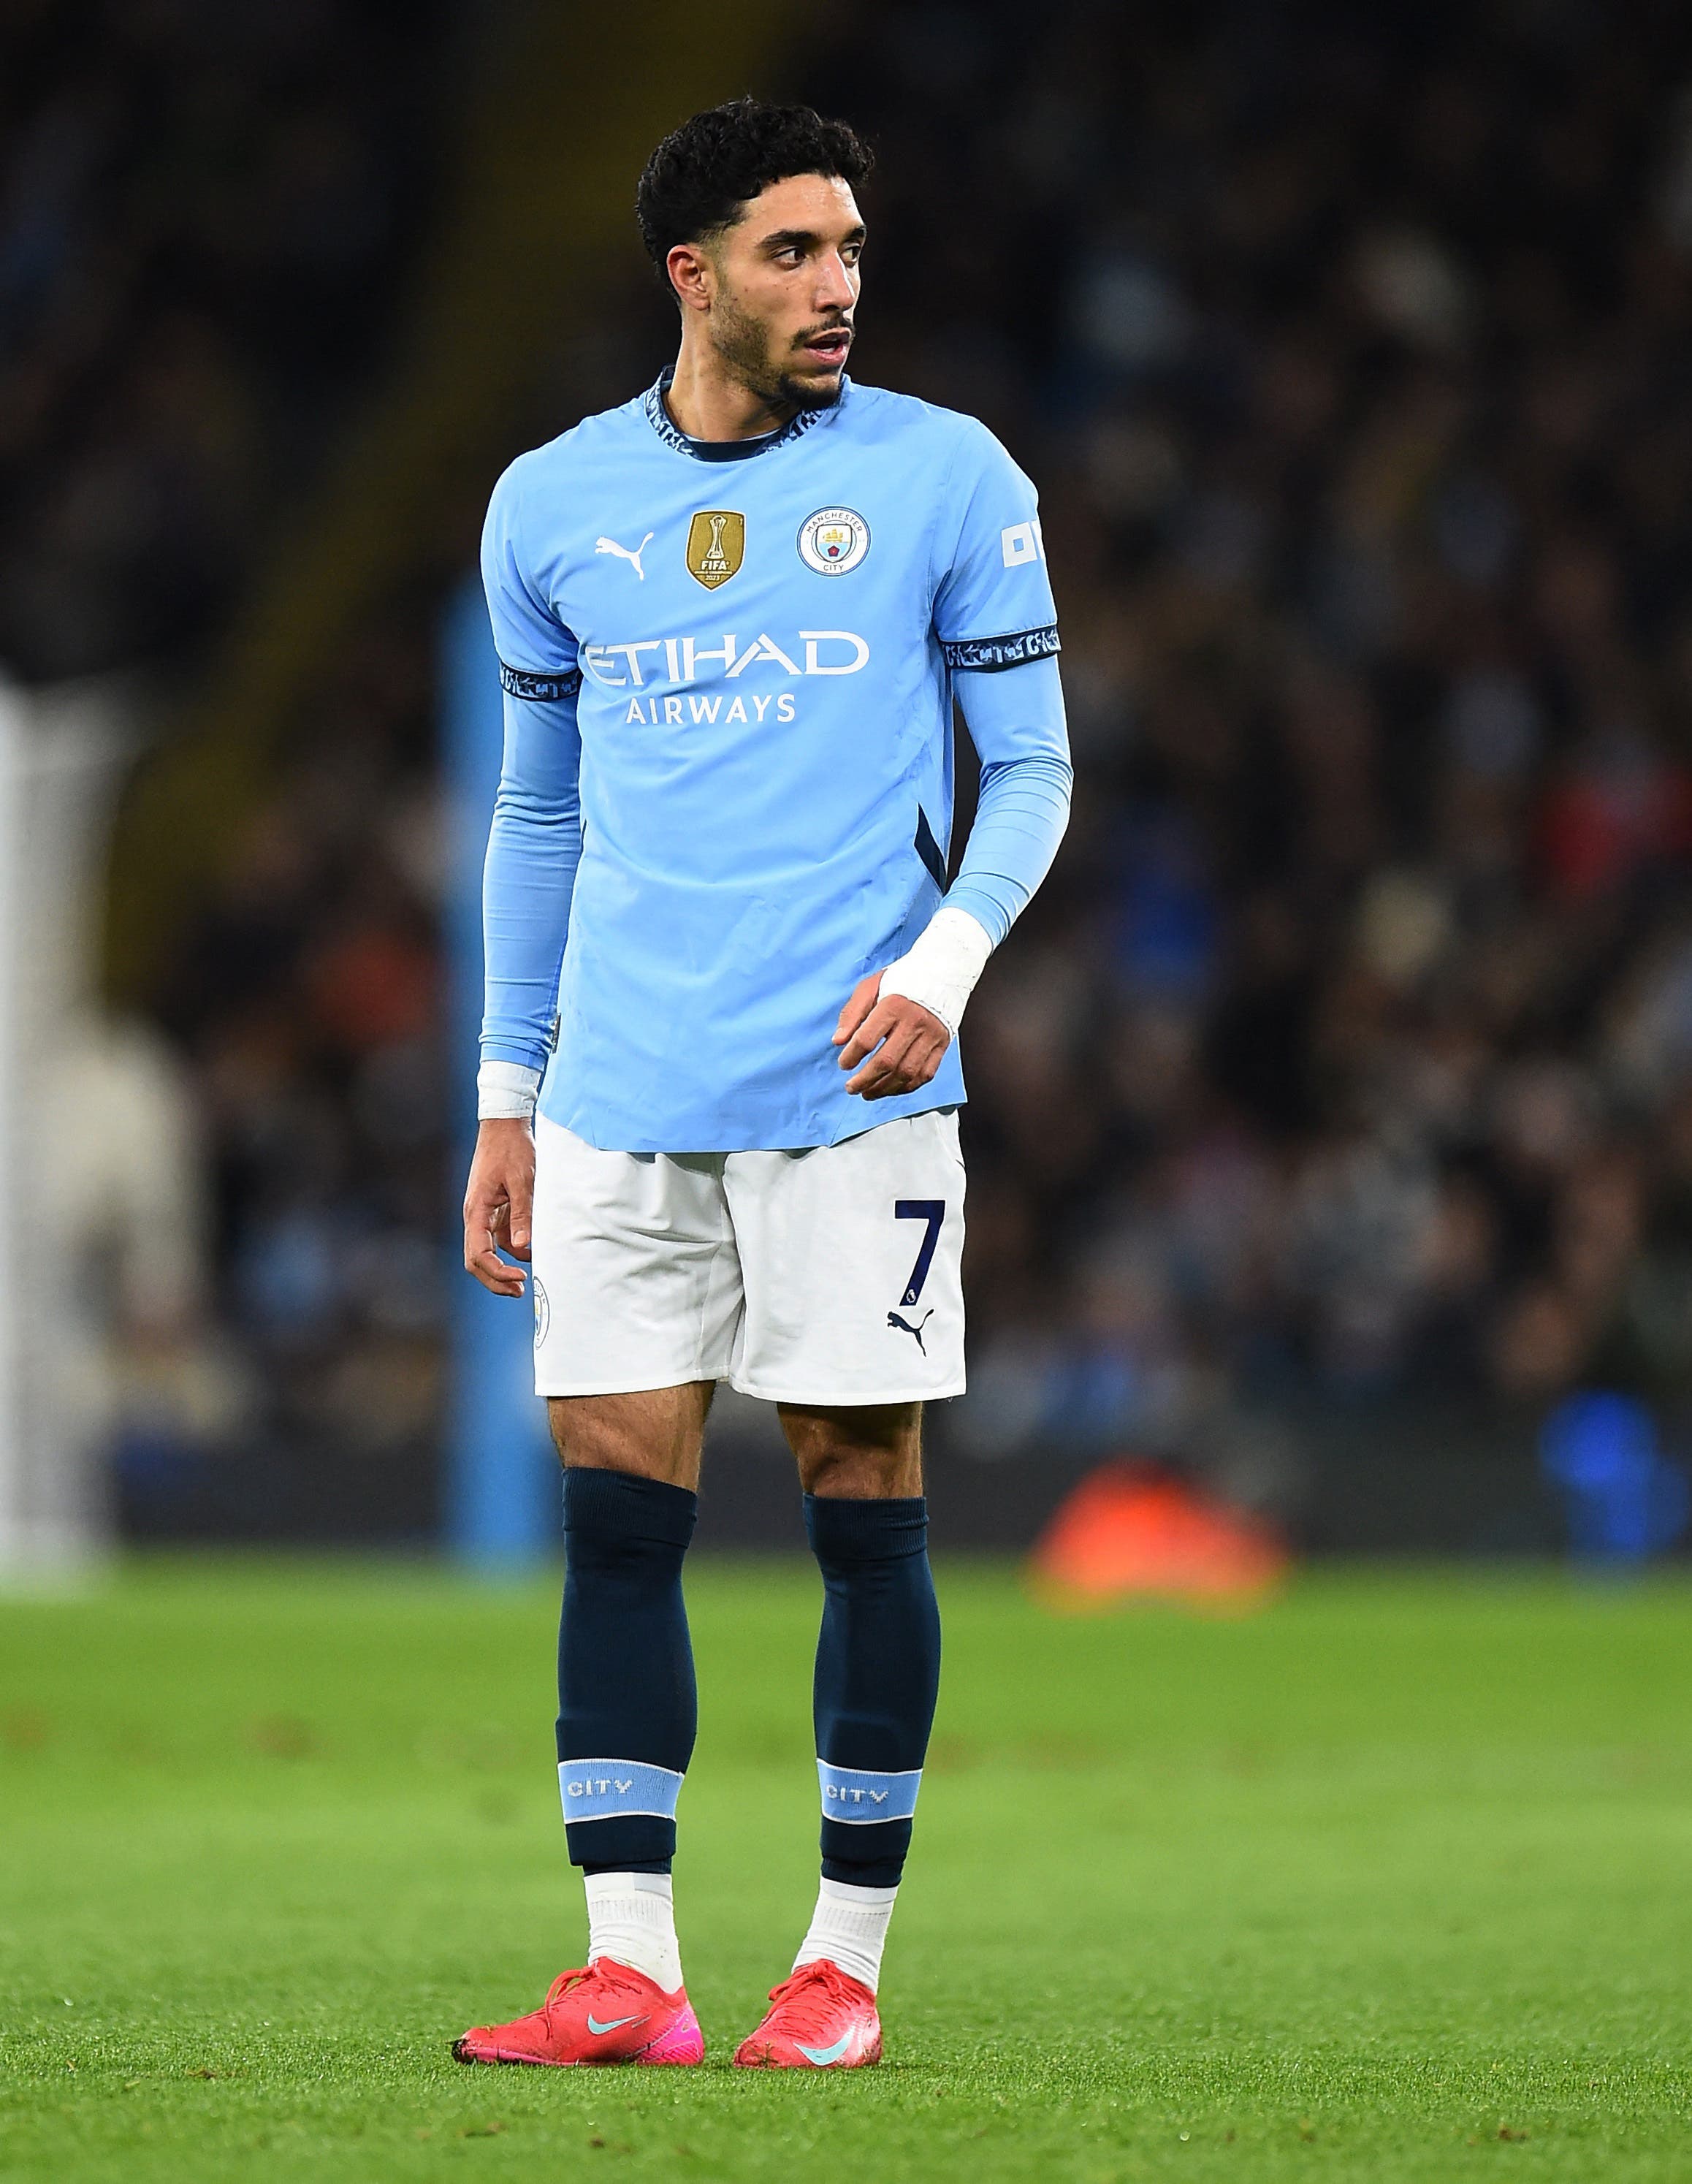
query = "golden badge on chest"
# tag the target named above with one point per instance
(716, 544)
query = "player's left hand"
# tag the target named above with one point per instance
(905, 1042)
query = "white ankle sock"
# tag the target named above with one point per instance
(631, 1919)
(849, 1927)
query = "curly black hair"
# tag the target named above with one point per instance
(704, 174)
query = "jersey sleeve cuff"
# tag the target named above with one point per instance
(525, 682)
(980, 906)
(990, 653)
(524, 1055)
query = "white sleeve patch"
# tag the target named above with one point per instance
(1022, 542)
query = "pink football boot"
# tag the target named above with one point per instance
(820, 2018)
(603, 2012)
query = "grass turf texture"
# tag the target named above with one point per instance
(1387, 1881)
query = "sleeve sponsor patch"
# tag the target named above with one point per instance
(1022, 541)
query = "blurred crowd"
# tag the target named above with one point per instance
(308, 995)
(209, 216)
(205, 215)
(1345, 1058)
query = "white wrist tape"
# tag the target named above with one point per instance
(505, 1092)
(942, 965)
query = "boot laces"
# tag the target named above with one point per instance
(807, 1997)
(602, 1974)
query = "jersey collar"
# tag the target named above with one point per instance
(726, 451)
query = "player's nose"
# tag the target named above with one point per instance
(834, 290)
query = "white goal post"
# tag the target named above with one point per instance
(62, 756)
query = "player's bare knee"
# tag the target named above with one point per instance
(857, 1454)
(653, 1433)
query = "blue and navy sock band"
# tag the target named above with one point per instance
(616, 1790)
(860, 1797)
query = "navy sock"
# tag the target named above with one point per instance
(626, 1701)
(877, 1676)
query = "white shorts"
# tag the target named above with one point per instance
(827, 1275)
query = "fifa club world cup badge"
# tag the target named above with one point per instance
(716, 545)
(833, 541)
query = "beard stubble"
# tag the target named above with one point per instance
(742, 343)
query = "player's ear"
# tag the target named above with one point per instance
(690, 271)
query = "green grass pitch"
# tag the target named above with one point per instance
(1389, 1882)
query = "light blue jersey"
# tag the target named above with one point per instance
(727, 785)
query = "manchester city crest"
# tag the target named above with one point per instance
(833, 541)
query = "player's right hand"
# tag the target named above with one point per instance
(500, 1202)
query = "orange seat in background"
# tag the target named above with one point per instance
(1130, 1531)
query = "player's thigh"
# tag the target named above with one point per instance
(850, 1256)
(636, 1283)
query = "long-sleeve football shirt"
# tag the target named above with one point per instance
(726, 790)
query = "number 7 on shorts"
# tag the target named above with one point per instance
(934, 1212)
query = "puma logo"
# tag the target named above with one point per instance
(623, 553)
(894, 1320)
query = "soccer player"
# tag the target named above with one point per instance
(731, 617)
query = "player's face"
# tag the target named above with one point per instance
(787, 289)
